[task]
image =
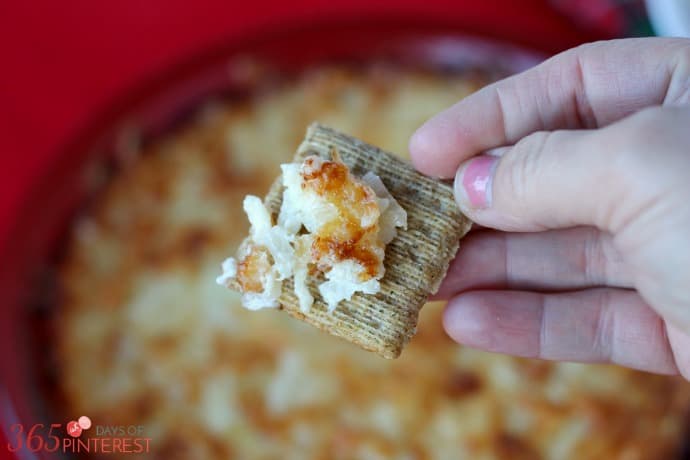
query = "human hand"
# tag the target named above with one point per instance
(587, 185)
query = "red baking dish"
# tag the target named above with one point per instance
(37, 228)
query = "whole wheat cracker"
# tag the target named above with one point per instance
(415, 261)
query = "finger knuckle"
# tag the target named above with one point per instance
(594, 258)
(605, 323)
(521, 165)
(679, 88)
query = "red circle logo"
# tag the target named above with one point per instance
(73, 429)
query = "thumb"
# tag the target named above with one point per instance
(628, 179)
(547, 180)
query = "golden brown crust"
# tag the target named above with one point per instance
(416, 260)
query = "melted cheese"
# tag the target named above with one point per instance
(348, 222)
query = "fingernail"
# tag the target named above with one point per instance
(473, 182)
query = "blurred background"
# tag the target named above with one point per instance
(109, 307)
(63, 62)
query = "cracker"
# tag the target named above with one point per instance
(415, 261)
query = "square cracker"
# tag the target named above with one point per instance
(415, 261)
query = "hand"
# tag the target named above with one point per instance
(584, 173)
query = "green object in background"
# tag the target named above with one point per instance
(638, 22)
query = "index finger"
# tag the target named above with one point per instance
(586, 87)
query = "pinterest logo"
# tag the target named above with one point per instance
(74, 428)
(104, 439)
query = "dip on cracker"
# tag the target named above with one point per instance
(330, 223)
(350, 239)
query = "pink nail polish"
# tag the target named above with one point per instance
(477, 176)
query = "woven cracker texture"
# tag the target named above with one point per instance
(415, 261)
